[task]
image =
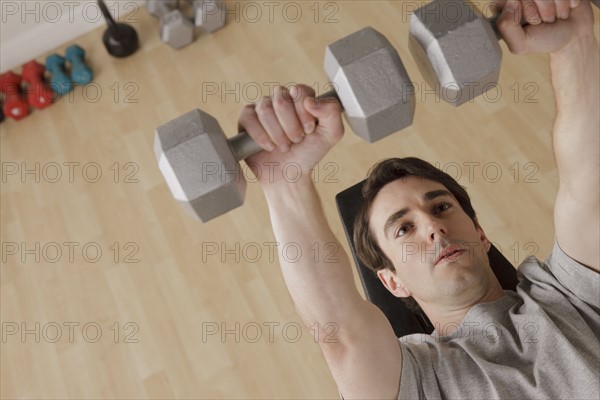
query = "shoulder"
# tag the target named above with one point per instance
(559, 277)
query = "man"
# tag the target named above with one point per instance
(545, 337)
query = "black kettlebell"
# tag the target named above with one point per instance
(120, 40)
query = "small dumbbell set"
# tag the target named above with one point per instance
(19, 92)
(176, 29)
(30, 89)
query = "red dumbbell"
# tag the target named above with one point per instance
(38, 92)
(14, 105)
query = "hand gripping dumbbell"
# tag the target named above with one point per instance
(59, 80)
(175, 29)
(120, 39)
(14, 105)
(39, 93)
(370, 81)
(209, 15)
(80, 72)
(456, 49)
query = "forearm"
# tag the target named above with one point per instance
(577, 149)
(320, 281)
(575, 77)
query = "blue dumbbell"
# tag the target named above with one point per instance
(59, 82)
(80, 72)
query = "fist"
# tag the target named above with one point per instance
(553, 24)
(291, 126)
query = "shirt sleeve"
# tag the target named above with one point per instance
(410, 379)
(583, 282)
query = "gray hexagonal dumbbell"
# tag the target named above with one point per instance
(456, 49)
(201, 166)
(175, 29)
(209, 15)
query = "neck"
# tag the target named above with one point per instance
(446, 319)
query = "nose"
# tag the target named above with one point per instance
(436, 229)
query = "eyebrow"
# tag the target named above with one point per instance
(402, 212)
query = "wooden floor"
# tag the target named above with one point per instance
(109, 290)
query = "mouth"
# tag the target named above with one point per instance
(449, 253)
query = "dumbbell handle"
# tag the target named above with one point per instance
(243, 146)
(112, 26)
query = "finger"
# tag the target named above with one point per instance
(547, 10)
(563, 8)
(270, 122)
(509, 25)
(285, 111)
(329, 115)
(530, 12)
(298, 93)
(250, 123)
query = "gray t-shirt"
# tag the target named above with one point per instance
(542, 342)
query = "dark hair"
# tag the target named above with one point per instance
(381, 174)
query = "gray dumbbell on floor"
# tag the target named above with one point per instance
(201, 166)
(456, 48)
(176, 29)
(209, 15)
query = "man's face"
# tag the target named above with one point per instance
(415, 221)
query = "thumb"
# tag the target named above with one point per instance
(328, 113)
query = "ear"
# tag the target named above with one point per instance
(392, 283)
(487, 245)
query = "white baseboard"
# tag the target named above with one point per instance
(31, 28)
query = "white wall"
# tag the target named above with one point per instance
(29, 28)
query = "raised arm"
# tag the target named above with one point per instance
(574, 60)
(355, 337)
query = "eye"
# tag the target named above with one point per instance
(443, 206)
(402, 230)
